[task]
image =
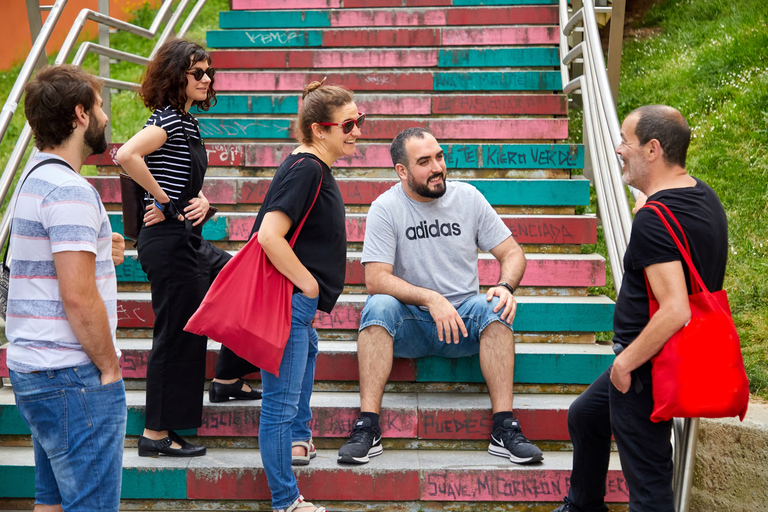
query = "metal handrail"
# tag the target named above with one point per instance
(602, 137)
(17, 154)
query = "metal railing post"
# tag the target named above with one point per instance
(104, 71)
(35, 26)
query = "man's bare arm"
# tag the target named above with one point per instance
(86, 313)
(667, 281)
(379, 279)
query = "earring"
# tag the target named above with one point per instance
(321, 136)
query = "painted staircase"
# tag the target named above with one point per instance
(482, 76)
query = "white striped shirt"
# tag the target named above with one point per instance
(171, 164)
(57, 211)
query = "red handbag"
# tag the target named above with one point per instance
(699, 373)
(248, 306)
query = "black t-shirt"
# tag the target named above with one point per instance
(702, 217)
(322, 242)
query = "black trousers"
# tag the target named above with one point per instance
(180, 267)
(644, 447)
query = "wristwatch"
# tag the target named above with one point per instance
(508, 287)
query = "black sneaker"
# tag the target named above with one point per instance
(564, 508)
(509, 441)
(364, 442)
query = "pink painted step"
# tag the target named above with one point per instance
(521, 14)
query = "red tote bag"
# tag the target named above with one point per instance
(248, 307)
(699, 373)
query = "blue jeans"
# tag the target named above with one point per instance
(414, 333)
(78, 432)
(285, 411)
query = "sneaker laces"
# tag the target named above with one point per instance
(512, 434)
(362, 435)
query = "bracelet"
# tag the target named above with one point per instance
(507, 286)
(158, 205)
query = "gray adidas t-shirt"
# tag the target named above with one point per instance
(434, 244)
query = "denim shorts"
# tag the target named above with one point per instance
(78, 433)
(414, 333)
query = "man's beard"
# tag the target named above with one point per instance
(423, 189)
(95, 138)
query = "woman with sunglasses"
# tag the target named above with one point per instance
(327, 128)
(168, 158)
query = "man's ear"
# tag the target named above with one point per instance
(401, 171)
(81, 115)
(653, 150)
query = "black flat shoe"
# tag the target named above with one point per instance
(218, 392)
(151, 448)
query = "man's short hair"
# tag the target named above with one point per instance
(397, 149)
(51, 98)
(666, 125)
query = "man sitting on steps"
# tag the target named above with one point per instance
(420, 256)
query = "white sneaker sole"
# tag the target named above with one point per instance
(500, 451)
(373, 452)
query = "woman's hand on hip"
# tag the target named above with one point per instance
(197, 209)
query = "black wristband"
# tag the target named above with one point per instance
(508, 287)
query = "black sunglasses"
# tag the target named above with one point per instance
(198, 73)
(348, 125)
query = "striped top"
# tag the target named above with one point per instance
(171, 164)
(57, 211)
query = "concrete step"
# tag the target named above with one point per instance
(395, 476)
(363, 191)
(537, 365)
(327, 58)
(424, 416)
(376, 80)
(354, 4)
(534, 314)
(548, 231)
(376, 155)
(543, 270)
(385, 37)
(402, 17)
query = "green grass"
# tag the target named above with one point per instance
(710, 61)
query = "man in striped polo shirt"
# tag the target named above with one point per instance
(62, 310)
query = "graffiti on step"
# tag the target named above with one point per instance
(433, 424)
(130, 314)
(540, 232)
(521, 156)
(549, 486)
(224, 154)
(241, 128)
(272, 38)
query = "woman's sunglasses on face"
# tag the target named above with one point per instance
(348, 125)
(198, 73)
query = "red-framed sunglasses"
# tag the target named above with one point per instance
(348, 125)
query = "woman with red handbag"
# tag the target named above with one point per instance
(168, 159)
(327, 128)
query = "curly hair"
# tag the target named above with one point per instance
(51, 98)
(165, 81)
(318, 104)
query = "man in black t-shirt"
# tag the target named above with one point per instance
(654, 145)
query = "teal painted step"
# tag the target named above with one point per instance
(498, 81)
(245, 128)
(573, 192)
(265, 39)
(140, 479)
(214, 229)
(235, 104)
(496, 58)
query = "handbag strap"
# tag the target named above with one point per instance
(10, 227)
(301, 224)
(696, 279)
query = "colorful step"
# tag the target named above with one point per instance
(363, 191)
(352, 4)
(527, 229)
(352, 18)
(268, 81)
(535, 363)
(544, 270)
(534, 313)
(525, 57)
(376, 155)
(387, 37)
(451, 416)
(396, 475)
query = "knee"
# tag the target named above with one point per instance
(382, 311)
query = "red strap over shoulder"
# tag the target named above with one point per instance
(301, 224)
